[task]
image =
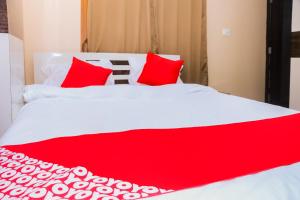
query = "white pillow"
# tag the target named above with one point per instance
(137, 64)
(57, 72)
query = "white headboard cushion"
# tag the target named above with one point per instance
(43, 59)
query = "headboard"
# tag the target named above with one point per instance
(120, 62)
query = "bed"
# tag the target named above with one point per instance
(179, 141)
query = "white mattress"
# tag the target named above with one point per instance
(54, 112)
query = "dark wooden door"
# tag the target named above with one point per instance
(278, 52)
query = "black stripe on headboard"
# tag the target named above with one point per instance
(121, 82)
(120, 62)
(114, 62)
(92, 60)
(121, 72)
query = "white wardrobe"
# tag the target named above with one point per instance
(11, 79)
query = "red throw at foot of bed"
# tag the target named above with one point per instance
(149, 162)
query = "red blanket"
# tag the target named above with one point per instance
(143, 163)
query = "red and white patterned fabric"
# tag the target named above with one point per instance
(143, 163)
(28, 178)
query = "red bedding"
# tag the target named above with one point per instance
(143, 163)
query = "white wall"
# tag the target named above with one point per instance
(15, 17)
(237, 62)
(296, 16)
(295, 63)
(50, 25)
(45, 25)
(295, 84)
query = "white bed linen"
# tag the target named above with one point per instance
(277, 184)
(54, 112)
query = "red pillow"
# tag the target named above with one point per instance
(83, 74)
(160, 71)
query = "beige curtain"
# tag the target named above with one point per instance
(160, 26)
(84, 25)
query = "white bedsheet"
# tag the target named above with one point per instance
(277, 184)
(54, 112)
